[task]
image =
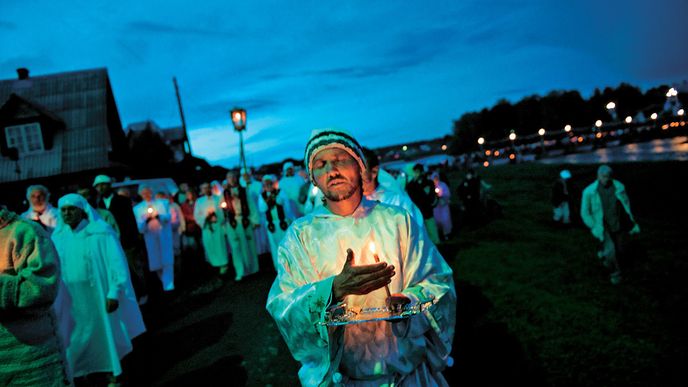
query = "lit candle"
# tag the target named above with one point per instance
(314, 191)
(377, 260)
(150, 210)
(438, 191)
(223, 204)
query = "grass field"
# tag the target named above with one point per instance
(537, 305)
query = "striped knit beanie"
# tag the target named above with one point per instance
(322, 139)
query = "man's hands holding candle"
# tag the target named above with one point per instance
(360, 279)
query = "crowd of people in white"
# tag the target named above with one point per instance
(105, 269)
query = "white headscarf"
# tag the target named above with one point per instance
(78, 201)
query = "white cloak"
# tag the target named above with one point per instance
(94, 268)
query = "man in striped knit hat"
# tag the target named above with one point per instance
(326, 260)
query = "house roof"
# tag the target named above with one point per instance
(92, 133)
(173, 135)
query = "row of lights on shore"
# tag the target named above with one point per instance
(672, 92)
(568, 128)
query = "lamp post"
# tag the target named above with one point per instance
(512, 138)
(238, 116)
(481, 141)
(541, 132)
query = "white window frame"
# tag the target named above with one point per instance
(21, 140)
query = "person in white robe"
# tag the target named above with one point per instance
(102, 304)
(271, 203)
(313, 200)
(442, 212)
(291, 184)
(378, 186)
(40, 210)
(209, 216)
(153, 221)
(241, 217)
(324, 260)
(253, 190)
(176, 222)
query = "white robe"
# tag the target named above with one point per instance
(240, 238)
(397, 198)
(213, 234)
(253, 191)
(48, 218)
(374, 353)
(442, 212)
(157, 233)
(291, 186)
(275, 237)
(94, 268)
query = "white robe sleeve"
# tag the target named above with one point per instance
(115, 265)
(427, 275)
(200, 211)
(140, 213)
(163, 211)
(297, 307)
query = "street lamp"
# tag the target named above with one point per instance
(567, 128)
(611, 106)
(541, 132)
(680, 112)
(629, 119)
(512, 136)
(598, 123)
(238, 116)
(481, 141)
(653, 116)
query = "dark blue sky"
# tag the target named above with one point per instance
(388, 71)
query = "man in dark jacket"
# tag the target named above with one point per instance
(421, 190)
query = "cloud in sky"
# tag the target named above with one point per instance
(389, 72)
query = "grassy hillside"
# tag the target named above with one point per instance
(538, 306)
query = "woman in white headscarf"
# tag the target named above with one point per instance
(103, 306)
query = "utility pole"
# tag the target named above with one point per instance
(187, 143)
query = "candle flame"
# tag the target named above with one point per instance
(223, 204)
(437, 191)
(371, 246)
(150, 210)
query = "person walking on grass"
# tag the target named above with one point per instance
(606, 211)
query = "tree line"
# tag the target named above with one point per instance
(553, 111)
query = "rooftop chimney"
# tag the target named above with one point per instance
(23, 73)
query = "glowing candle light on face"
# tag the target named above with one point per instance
(377, 260)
